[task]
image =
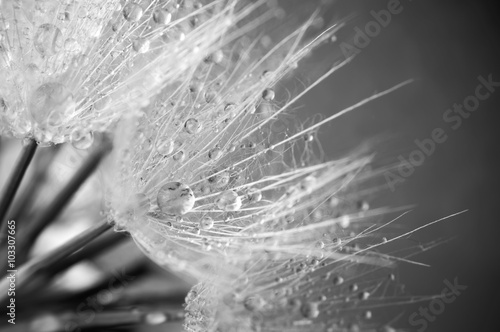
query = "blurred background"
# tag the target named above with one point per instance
(444, 47)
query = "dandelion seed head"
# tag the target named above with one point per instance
(84, 65)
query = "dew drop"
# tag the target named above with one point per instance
(48, 40)
(132, 12)
(338, 281)
(192, 126)
(220, 180)
(268, 94)
(363, 295)
(71, 46)
(215, 57)
(162, 17)
(178, 156)
(175, 198)
(310, 310)
(81, 139)
(164, 146)
(215, 153)
(254, 303)
(206, 223)
(254, 195)
(228, 200)
(141, 45)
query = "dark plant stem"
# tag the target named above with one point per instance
(62, 198)
(15, 179)
(110, 319)
(38, 265)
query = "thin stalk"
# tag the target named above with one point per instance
(115, 319)
(38, 265)
(62, 198)
(15, 179)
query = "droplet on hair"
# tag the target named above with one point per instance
(48, 40)
(254, 195)
(215, 153)
(141, 45)
(175, 198)
(254, 303)
(162, 17)
(178, 156)
(164, 145)
(81, 139)
(206, 223)
(192, 126)
(228, 201)
(310, 310)
(215, 57)
(268, 94)
(132, 12)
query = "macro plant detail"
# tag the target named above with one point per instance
(174, 104)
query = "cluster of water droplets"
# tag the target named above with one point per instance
(74, 67)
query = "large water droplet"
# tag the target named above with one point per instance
(132, 12)
(51, 104)
(48, 39)
(175, 198)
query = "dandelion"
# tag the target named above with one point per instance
(185, 96)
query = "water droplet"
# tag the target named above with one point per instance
(310, 310)
(162, 17)
(254, 195)
(268, 94)
(164, 145)
(155, 318)
(71, 46)
(51, 104)
(175, 198)
(48, 39)
(308, 137)
(141, 45)
(132, 12)
(215, 57)
(338, 281)
(178, 156)
(192, 126)
(220, 180)
(308, 183)
(81, 139)
(228, 200)
(206, 223)
(345, 221)
(363, 295)
(215, 153)
(254, 303)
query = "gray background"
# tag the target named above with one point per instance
(444, 46)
